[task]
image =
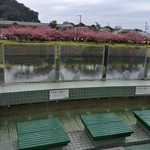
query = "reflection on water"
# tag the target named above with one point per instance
(91, 68)
(39, 69)
(85, 71)
(28, 64)
(27, 69)
(117, 67)
(116, 72)
(81, 68)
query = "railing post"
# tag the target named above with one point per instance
(105, 60)
(57, 52)
(146, 63)
(1, 63)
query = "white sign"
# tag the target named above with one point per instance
(142, 90)
(58, 94)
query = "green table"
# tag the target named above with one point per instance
(143, 119)
(42, 134)
(105, 126)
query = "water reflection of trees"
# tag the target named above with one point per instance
(28, 60)
(85, 70)
(117, 65)
(87, 66)
(27, 74)
(122, 68)
(118, 71)
(22, 67)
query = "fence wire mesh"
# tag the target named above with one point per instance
(46, 63)
(126, 62)
(81, 63)
(29, 63)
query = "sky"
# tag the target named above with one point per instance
(126, 13)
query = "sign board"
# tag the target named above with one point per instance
(58, 94)
(142, 90)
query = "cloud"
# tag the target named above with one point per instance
(59, 8)
(129, 13)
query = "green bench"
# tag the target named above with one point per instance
(42, 134)
(143, 119)
(106, 130)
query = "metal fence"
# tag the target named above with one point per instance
(1, 63)
(50, 63)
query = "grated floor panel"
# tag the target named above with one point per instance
(138, 137)
(81, 141)
(73, 126)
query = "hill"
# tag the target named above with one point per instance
(14, 11)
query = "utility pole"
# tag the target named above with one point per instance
(80, 18)
(146, 27)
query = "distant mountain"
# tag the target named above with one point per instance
(14, 11)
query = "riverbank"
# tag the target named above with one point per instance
(34, 43)
(1, 66)
(70, 49)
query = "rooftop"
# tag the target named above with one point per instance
(8, 23)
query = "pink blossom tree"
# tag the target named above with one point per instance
(46, 33)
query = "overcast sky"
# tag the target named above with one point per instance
(127, 13)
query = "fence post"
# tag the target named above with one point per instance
(57, 52)
(105, 60)
(146, 63)
(1, 63)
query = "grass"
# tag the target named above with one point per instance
(48, 43)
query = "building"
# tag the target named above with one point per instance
(7, 23)
(68, 25)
